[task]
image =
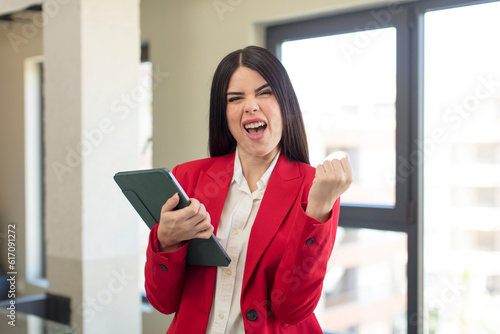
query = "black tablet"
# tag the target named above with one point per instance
(147, 191)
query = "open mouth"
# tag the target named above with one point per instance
(255, 127)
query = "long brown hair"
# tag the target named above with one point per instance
(293, 143)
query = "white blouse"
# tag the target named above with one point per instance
(233, 232)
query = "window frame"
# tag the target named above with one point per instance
(390, 218)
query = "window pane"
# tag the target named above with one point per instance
(365, 287)
(461, 170)
(346, 86)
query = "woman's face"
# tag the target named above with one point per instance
(253, 114)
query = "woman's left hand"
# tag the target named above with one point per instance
(332, 179)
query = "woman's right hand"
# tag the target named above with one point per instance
(184, 224)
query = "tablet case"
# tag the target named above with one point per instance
(147, 191)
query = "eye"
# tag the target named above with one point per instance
(233, 99)
(266, 92)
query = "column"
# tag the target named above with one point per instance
(92, 54)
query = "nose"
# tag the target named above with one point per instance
(251, 105)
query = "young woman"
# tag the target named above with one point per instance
(275, 215)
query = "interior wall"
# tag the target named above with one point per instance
(16, 44)
(9, 6)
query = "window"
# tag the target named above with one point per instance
(365, 289)
(411, 92)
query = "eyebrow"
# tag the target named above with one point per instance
(241, 93)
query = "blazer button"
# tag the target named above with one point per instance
(310, 241)
(163, 267)
(252, 315)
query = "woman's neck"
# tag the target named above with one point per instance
(254, 167)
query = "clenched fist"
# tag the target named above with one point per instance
(331, 180)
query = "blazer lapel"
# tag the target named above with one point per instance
(211, 190)
(280, 194)
(213, 185)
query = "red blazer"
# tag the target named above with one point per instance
(286, 260)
